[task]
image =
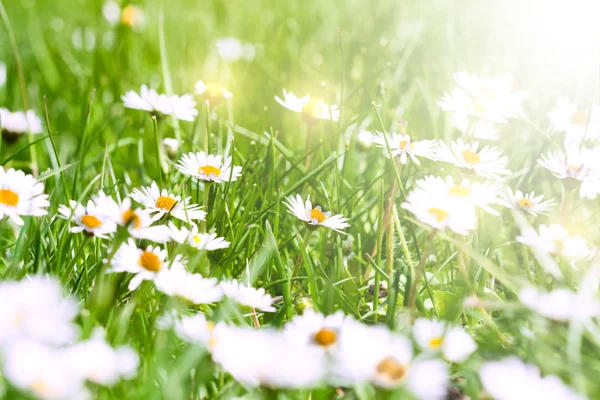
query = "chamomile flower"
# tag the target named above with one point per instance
(454, 343)
(160, 203)
(212, 92)
(18, 123)
(21, 195)
(527, 202)
(195, 288)
(312, 328)
(486, 162)
(248, 296)
(560, 304)
(573, 165)
(555, 239)
(130, 15)
(91, 219)
(315, 217)
(200, 241)
(401, 145)
(208, 167)
(195, 329)
(312, 110)
(181, 107)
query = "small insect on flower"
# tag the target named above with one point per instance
(200, 241)
(181, 107)
(527, 202)
(159, 203)
(315, 329)
(21, 195)
(213, 93)
(401, 145)
(312, 110)
(486, 162)
(315, 217)
(248, 296)
(208, 167)
(176, 281)
(16, 124)
(453, 342)
(560, 304)
(93, 220)
(555, 239)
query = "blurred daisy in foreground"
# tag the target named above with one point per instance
(312, 110)
(486, 162)
(160, 203)
(512, 379)
(212, 92)
(233, 49)
(176, 281)
(200, 241)
(181, 107)
(315, 329)
(527, 202)
(315, 217)
(93, 220)
(130, 15)
(454, 343)
(401, 145)
(16, 124)
(248, 296)
(555, 239)
(208, 167)
(576, 122)
(21, 195)
(195, 329)
(559, 304)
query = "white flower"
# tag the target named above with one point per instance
(161, 203)
(232, 49)
(98, 362)
(15, 124)
(195, 329)
(176, 281)
(131, 15)
(454, 343)
(555, 239)
(171, 147)
(312, 110)
(212, 92)
(576, 122)
(526, 201)
(248, 296)
(208, 168)
(35, 309)
(486, 162)
(401, 145)
(559, 304)
(21, 194)
(312, 328)
(200, 241)
(315, 216)
(92, 219)
(512, 379)
(182, 108)
(574, 164)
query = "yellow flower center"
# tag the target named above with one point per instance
(435, 343)
(150, 261)
(209, 169)
(130, 217)
(165, 202)
(41, 388)
(559, 245)
(580, 117)
(196, 239)
(325, 337)
(438, 213)
(90, 221)
(460, 191)
(471, 157)
(9, 198)
(130, 16)
(525, 203)
(315, 109)
(215, 93)
(391, 369)
(573, 169)
(404, 143)
(317, 214)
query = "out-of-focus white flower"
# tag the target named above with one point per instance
(130, 15)
(312, 110)
(486, 162)
(555, 239)
(559, 304)
(2, 74)
(232, 49)
(200, 241)
(526, 201)
(312, 328)
(181, 107)
(171, 147)
(92, 219)
(195, 288)
(18, 123)
(161, 203)
(21, 195)
(401, 145)
(454, 343)
(574, 165)
(314, 216)
(213, 92)
(577, 123)
(195, 329)
(208, 167)
(248, 296)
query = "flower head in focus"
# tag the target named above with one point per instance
(208, 167)
(181, 107)
(487, 161)
(196, 239)
(91, 219)
(527, 202)
(315, 329)
(160, 203)
(454, 343)
(315, 217)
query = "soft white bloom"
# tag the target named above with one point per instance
(92, 219)
(576, 122)
(401, 145)
(574, 164)
(181, 107)
(232, 49)
(315, 329)
(512, 379)
(161, 203)
(195, 329)
(34, 308)
(454, 343)
(21, 195)
(315, 217)
(17, 123)
(486, 162)
(130, 15)
(195, 288)
(171, 147)
(213, 93)
(111, 12)
(208, 168)
(555, 239)
(526, 201)
(200, 241)
(312, 110)
(559, 304)
(248, 296)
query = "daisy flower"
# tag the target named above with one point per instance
(315, 217)
(15, 124)
(176, 281)
(576, 122)
(171, 147)
(200, 241)
(453, 342)
(555, 239)
(486, 162)
(160, 203)
(182, 108)
(208, 168)
(574, 164)
(21, 195)
(401, 145)
(91, 219)
(213, 93)
(314, 329)
(527, 202)
(560, 304)
(195, 329)
(312, 110)
(248, 296)
(232, 49)
(130, 15)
